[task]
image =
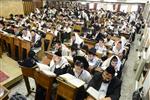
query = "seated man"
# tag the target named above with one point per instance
(119, 49)
(75, 51)
(108, 86)
(59, 46)
(100, 47)
(58, 64)
(93, 60)
(75, 39)
(113, 61)
(80, 72)
(79, 69)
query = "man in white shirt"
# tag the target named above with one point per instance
(58, 64)
(61, 47)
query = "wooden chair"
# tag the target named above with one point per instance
(115, 38)
(17, 44)
(77, 28)
(44, 81)
(89, 43)
(28, 72)
(27, 46)
(49, 38)
(65, 90)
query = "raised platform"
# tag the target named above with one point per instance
(11, 68)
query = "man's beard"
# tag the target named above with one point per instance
(106, 81)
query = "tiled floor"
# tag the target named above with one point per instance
(128, 79)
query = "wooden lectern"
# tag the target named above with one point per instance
(65, 90)
(44, 81)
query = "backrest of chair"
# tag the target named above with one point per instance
(25, 45)
(43, 80)
(49, 37)
(29, 72)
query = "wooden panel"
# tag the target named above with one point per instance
(28, 7)
(25, 45)
(65, 90)
(11, 7)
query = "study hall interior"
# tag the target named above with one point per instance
(75, 49)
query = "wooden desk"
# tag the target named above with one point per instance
(17, 43)
(65, 90)
(44, 81)
(28, 72)
(6, 92)
(8, 39)
(25, 45)
(125, 35)
(115, 38)
(89, 43)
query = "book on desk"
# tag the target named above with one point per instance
(94, 93)
(72, 80)
(45, 69)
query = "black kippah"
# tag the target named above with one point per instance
(58, 53)
(110, 70)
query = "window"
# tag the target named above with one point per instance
(134, 8)
(91, 5)
(124, 7)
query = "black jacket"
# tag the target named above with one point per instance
(114, 87)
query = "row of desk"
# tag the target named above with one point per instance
(10, 43)
(64, 89)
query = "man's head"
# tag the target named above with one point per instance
(73, 37)
(57, 56)
(119, 45)
(108, 74)
(79, 66)
(92, 53)
(114, 61)
(58, 45)
(101, 42)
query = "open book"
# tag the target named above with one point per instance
(45, 69)
(72, 80)
(93, 92)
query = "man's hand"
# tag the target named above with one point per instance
(107, 98)
(90, 98)
(99, 69)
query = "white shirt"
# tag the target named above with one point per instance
(100, 49)
(67, 29)
(85, 76)
(27, 37)
(61, 64)
(103, 90)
